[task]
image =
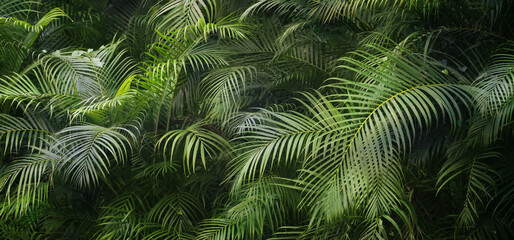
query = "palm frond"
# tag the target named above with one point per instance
(177, 211)
(195, 142)
(17, 133)
(88, 150)
(494, 95)
(27, 180)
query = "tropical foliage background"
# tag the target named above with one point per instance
(266, 119)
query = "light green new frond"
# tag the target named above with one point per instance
(50, 16)
(39, 26)
(35, 30)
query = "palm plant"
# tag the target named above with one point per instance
(211, 119)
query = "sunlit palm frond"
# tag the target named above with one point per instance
(273, 142)
(71, 72)
(398, 95)
(364, 128)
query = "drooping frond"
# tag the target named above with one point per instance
(119, 218)
(264, 206)
(17, 8)
(196, 143)
(17, 133)
(479, 179)
(178, 212)
(494, 95)
(223, 87)
(27, 180)
(89, 150)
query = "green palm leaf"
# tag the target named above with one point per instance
(89, 150)
(195, 142)
(16, 133)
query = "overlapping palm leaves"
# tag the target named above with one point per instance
(258, 127)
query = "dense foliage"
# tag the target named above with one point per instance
(266, 119)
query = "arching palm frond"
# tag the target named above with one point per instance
(178, 212)
(17, 8)
(398, 95)
(116, 66)
(196, 142)
(495, 93)
(479, 181)
(68, 80)
(265, 206)
(21, 89)
(182, 51)
(80, 81)
(223, 87)
(115, 76)
(178, 14)
(183, 44)
(273, 142)
(57, 85)
(120, 219)
(281, 8)
(88, 150)
(268, 119)
(17, 133)
(27, 180)
(29, 36)
(71, 72)
(323, 11)
(35, 30)
(366, 128)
